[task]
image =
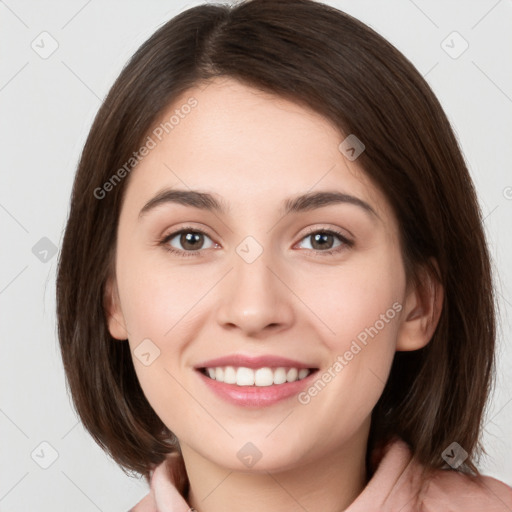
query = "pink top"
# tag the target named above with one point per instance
(395, 486)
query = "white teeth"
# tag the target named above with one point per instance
(229, 375)
(292, 374)
(244, 377)
(279, 375)
(266, 376)
(303, 372)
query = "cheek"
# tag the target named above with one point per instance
(161, 304)
(155, 297)
(156, 305)
(360, 307)
(352, 299)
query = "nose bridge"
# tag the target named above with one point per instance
(253, 296)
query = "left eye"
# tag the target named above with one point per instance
(190, 239)
(322, 239)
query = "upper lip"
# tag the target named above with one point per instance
(240, 360)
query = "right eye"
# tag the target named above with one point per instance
(190, 238)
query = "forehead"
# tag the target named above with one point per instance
(248, 147)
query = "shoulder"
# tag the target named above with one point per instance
(403, 483)
(147, 504)
(466, 493)
(167, 481)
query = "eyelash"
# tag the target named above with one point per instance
(346, 242)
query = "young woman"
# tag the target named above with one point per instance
(274, 291)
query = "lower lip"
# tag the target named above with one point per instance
(256, 396)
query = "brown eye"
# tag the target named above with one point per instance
(188, 240)
(192, 241)
(323, 241)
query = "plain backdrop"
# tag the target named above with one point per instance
(47, 104)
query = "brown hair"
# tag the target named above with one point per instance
(322, 58)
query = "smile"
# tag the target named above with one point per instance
(260, 377)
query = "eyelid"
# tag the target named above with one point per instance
(334, 229)
(169, 235)
(185, 227)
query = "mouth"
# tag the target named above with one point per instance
(266, 376)
(256, 386)
(255, 380)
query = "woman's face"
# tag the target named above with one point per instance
(315, 283)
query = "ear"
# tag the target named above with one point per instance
(112, 305)
(422, 309)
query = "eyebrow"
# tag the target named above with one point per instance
(302, 203)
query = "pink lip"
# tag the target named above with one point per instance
(255, 396)
(238, 360)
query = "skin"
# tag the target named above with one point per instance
(253, 150)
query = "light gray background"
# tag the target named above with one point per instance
(47, 106)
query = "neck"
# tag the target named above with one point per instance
(329, 483)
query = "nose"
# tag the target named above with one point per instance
(254, 298)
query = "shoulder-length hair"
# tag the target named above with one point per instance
(324, 59)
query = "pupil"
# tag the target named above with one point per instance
(189, 239)
(319, 237)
